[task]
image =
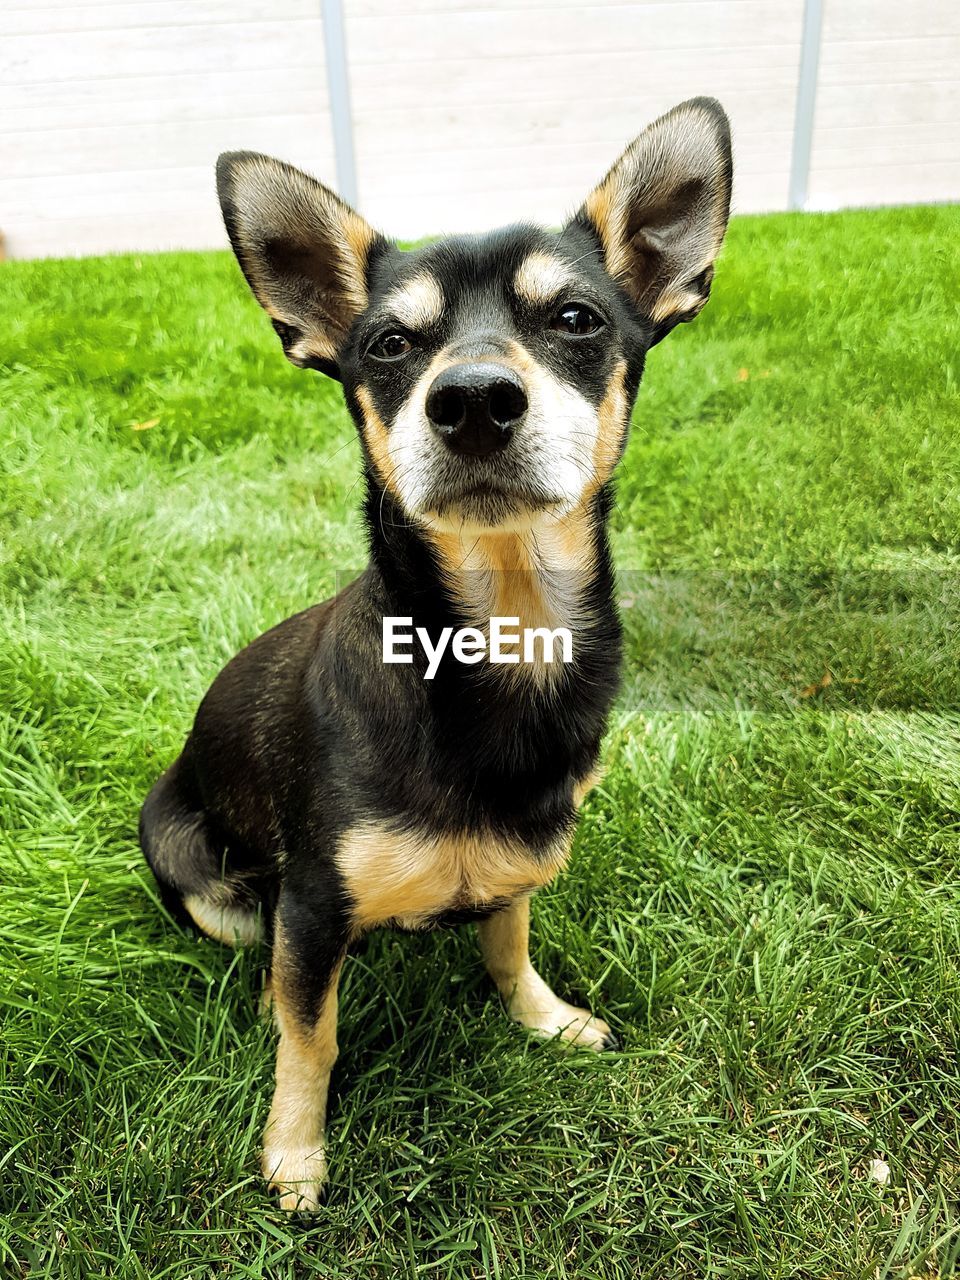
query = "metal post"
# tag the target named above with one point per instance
(806, 104)
(338, 88)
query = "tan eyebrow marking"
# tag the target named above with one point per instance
(418, 303)
(541, 277)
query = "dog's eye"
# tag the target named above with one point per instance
(577, 320)
(390, 346)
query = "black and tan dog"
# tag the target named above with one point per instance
(322, 792)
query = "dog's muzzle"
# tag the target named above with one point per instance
(476, 409)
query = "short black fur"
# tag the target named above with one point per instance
(308, 740)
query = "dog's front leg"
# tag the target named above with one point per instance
(306, 970)
(504, 942)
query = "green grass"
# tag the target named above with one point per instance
(764, 898)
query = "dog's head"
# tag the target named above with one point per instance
(491, 376)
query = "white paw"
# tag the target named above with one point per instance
(299, 1175)
(576, 1028)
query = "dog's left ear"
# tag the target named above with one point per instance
(661, 212)
(305, 253)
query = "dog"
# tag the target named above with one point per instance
(324, 792)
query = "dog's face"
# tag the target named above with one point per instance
(491, 377)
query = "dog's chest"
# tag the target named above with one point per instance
(412, 880)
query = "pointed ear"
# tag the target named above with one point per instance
(304, 252)
(661, 212)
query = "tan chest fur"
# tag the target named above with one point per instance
(408, 879)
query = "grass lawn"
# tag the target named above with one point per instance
(765, 894)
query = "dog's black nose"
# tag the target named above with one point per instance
(476, 408)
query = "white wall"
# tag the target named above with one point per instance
(887, 123)
(466, 113)
(112, 115)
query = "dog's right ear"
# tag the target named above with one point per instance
(305, 253)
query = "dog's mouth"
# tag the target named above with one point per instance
(490, 504)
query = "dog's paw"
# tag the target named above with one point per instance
(573, 1028)
(584, 1031)
(300, 1176)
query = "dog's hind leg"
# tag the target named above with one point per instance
(504, 942)
(189, 859)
